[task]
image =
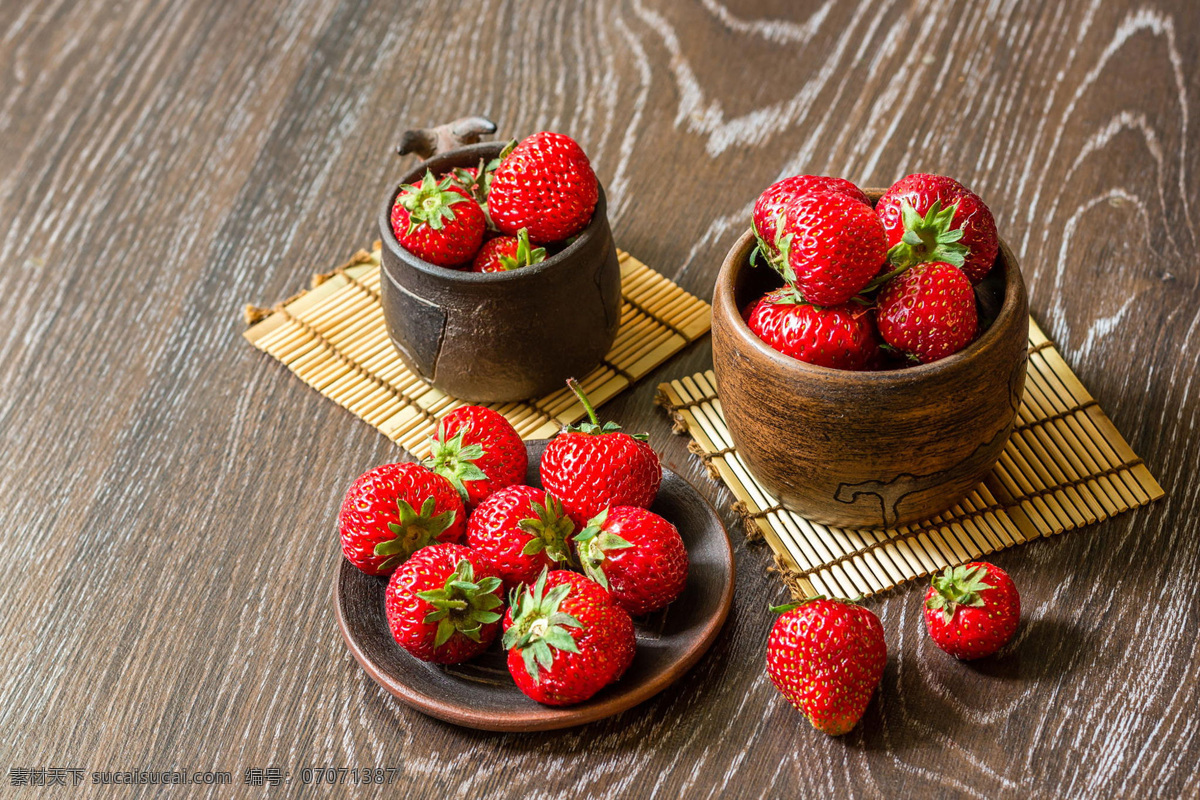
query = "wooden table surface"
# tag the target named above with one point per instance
(169, 493)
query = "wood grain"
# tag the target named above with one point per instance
(169, 492)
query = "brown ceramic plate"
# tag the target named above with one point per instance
(480, 694)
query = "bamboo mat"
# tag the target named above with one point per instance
(334, 338)
(1064, 467)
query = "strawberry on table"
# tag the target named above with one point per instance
(438, 221)
(928, 312)
(478, 451)
(566, 638)
(841, 337)
(972, 610)
(635, 554)
(506, 253)
(935, 218)
(591, 467)
(392, 511)
(443, 605)
(827, 657)
(545, 184)
(519, 531)
(777, 196)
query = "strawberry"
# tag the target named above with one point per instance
(826, 657)
(472, 180)
(566, 638)
(973, 610)
(392, 511)
(438, 221)
(829, 246)
(778, 195)
(478, 451)
(928, 311)
(591, 467)
(443, 604)
(935, 218)
(545, 184)
(506, 253)
(841, 337)
(635, 554)
(519, 531)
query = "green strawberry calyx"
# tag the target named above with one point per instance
(476, 185)
(928, 238)
(786, 607)
(550, 528)
(455, 461)
(958, 586)
(415, 530)
(592, 425)
(593, 543)
(462, 604)
(429, 202)
(526, 256)
(539, 628)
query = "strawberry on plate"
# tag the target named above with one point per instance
(545, 184)
(519, 531)
(443, 604)
(478, 451)
(928, 312)
(841, 337)
(566, 638)
(972, 610)
(776, 197)
(935, 218)
(635, 554)
(591, 467)
(827, 657)
(392, 511)
(505, 253)
(438, 221)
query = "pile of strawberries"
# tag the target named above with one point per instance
(826, 657)
(462, 537)
(871, 288)
(500, 215)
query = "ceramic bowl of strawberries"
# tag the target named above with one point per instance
(870, 347)
(519, 586)
(500, 275)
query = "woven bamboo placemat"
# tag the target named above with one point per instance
(334, 338)
(1064, 467)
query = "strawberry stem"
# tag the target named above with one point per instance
(574, 386)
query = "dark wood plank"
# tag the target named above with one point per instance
(170, 493)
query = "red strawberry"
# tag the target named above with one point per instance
(566, 639)
(590, 467)
(443, 605)
(438, 221)
(545, 184)
(478, 451)
(506, 253)
(772, 202)
(841, 337)
(830, 246)
(519, 531)
(935, 218)
(973, 610)
(826, 657)
(928, 311)
(392, 511)
(635, 554)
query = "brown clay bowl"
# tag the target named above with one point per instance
(481, 694)
(501, 336)
(869, 449)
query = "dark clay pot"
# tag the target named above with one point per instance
(869, 449)
(501, 336)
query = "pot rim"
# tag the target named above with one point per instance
(726, 305)
(466, 277)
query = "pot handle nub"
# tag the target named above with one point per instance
(428, 142)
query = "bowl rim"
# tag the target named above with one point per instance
(458, 275)
(738, 259)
